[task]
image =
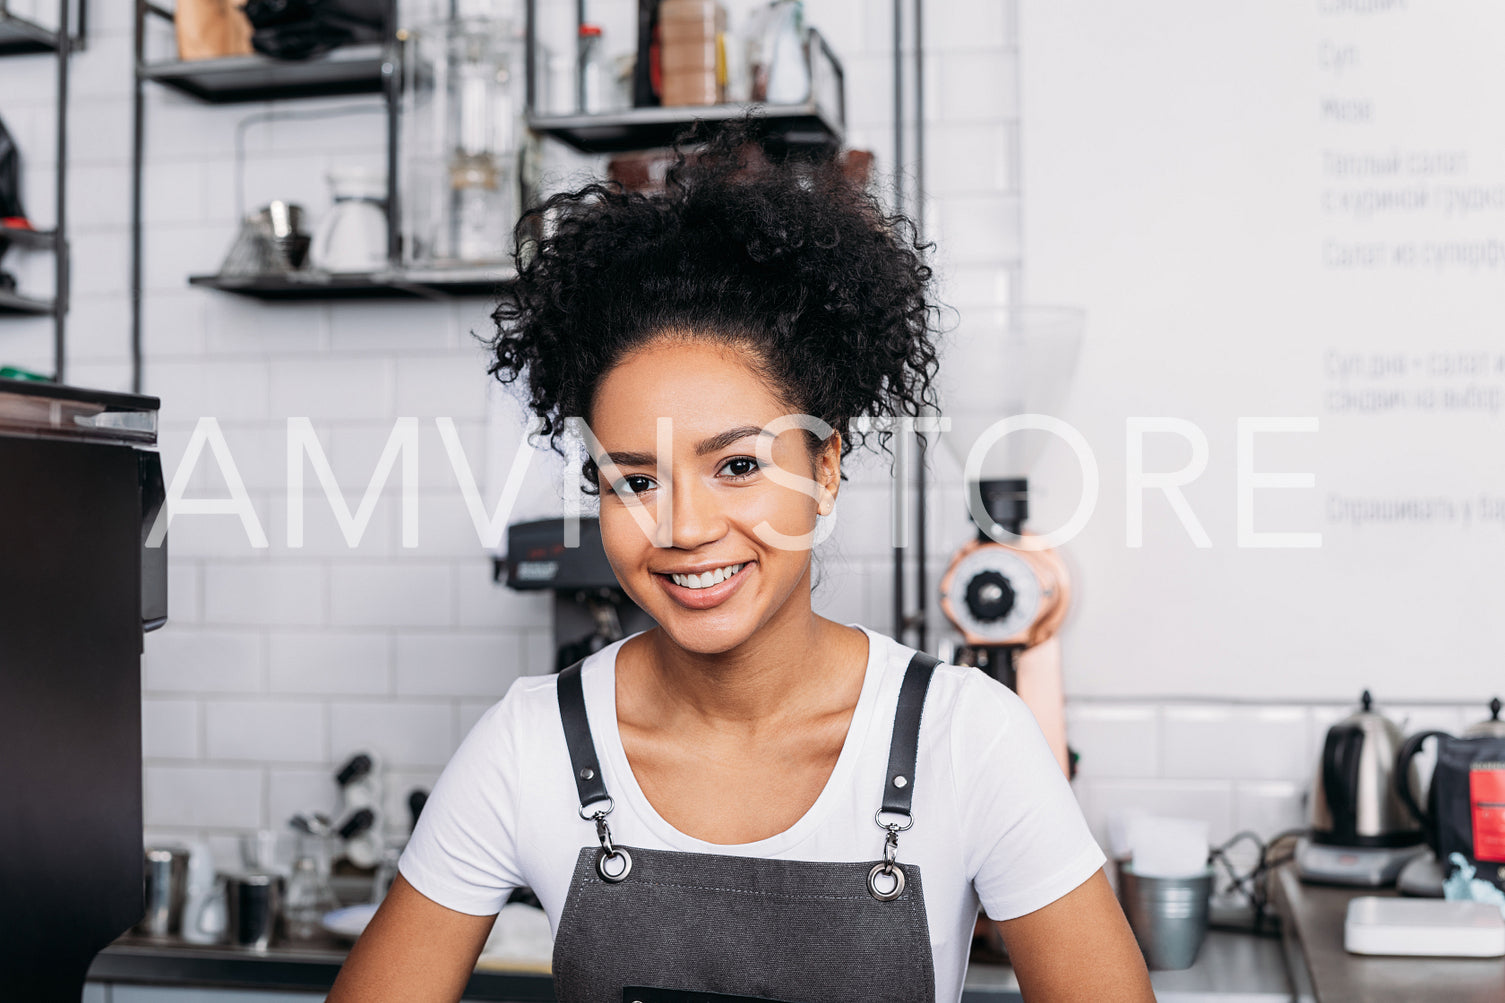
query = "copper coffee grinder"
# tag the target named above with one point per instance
(1008, 599)
(1007, 592)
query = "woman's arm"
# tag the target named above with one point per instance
(414, 951)
(1078, 948)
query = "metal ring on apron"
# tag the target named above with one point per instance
(618, 851)
(872, 881)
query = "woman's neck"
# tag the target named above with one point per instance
(791, 666)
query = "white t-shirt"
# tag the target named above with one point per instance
(995, 822)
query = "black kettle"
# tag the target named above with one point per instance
(1354, 802)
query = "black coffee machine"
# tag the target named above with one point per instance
(82, 579)
(590, 608)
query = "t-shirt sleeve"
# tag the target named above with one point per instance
(463, 851)
(1028, 842)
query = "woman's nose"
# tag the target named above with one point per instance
(695, 518)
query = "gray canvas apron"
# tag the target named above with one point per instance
(660, 926)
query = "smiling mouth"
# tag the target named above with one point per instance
(706, 579)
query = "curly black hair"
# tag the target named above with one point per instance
(776, 254)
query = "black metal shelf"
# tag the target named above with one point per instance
(10, 303)
(20, 237)
(356, 69)
(818, 121)
(806, 124)
(313, 285)
(19, 37)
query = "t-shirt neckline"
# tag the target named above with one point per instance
(601, 691)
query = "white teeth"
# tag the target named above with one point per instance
(705, 580)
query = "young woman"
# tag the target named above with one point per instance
(749, 799)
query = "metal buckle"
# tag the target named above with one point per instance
(892, 826)
(888, 866)
(608, 850)
(588, 816)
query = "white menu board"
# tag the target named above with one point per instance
(1292, 209)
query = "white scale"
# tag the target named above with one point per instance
(1424, 928)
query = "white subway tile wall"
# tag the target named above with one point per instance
(278, 663)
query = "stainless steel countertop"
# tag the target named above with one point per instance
(1317, 912)
(1231, 968)
(309, 967)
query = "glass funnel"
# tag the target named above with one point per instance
(1004, 377)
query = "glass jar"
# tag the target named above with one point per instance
(309, 896)
(461, 121)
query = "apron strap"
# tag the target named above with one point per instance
(904, 749)
(577, 735)
(903, 752)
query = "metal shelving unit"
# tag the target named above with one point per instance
(352, 70)
(22, 37)
(373, 69)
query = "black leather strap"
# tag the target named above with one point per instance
(577, 735)
(903, 751)
(904, 748)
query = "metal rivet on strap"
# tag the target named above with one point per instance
(900, 781)
(893, 871)
(587, 773)
(616, 853)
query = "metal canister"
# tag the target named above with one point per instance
(253, 907)
(166, 876)
(1168, 915)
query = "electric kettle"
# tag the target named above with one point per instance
(1354, 800)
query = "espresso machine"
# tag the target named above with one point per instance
(83, 577)
(590, 608)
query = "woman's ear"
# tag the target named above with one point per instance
(828, 473)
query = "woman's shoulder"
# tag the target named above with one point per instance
(527, 703)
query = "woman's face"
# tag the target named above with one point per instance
(680, 425)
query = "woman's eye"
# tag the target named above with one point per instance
(636, 484)
(740, 466)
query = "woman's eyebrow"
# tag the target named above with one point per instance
(717, 442)
(625, 458)
(723, 439)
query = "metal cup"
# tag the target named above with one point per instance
(253, 906)
(1168, 915)
(166, 876)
